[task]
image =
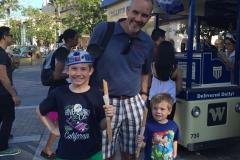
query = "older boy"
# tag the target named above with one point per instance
(161, 135)
(80, 110)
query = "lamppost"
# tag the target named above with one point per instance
(58, 37)
(22, 28)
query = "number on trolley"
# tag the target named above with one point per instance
(195, 135)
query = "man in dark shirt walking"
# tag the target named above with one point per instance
(158, 35)
(8, 97)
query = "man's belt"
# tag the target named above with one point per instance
(121, 97)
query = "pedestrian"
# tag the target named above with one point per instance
(81, 112)
(161, 135)
(166, 75)
(16, 50)
(126, 66)
(158, 35)
(58, 64)
(8, 97)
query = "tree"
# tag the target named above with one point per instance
(83, 15)
(7, 6)
(14, 25)
(56, 5)
(41, 25)
(2, 10)
(205, 31)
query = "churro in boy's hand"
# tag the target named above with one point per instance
(109, 110)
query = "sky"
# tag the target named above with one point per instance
(38, 3)
(26, 3)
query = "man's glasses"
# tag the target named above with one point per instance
(10, 35)
(128, 46)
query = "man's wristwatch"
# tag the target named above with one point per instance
(145, 93)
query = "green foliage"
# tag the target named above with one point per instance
(208, 31)
(2, 10)
(182, 30)
(83, 15)
(205, 31)
(14, 25)
(7, 6)
(41, 25)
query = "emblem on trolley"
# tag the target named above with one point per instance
(217, 71)
(217, 114)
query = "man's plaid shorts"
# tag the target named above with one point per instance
(126, 124)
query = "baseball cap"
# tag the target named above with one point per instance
(77, 57)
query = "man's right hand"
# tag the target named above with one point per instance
(16, 100)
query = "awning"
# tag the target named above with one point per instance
(221, 13)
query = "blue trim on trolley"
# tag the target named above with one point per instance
(190, 42)
(236, 65)
(198, 24)
(156, 22)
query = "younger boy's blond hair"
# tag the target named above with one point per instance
(160, 97)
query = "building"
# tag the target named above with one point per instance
(170, 23)
(3, 22)
(46, 7)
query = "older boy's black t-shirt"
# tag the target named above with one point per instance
(79, 115)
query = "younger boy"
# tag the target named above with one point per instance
(81, 112)
(161, 135)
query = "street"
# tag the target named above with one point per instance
(30, 134)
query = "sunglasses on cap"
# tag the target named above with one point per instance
(228, 35)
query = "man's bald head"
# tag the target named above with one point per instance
(150, 1)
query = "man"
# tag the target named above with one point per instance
(8, 97)
(126, 66)
(158, 35)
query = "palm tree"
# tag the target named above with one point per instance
(2, 10)
(8, 6)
